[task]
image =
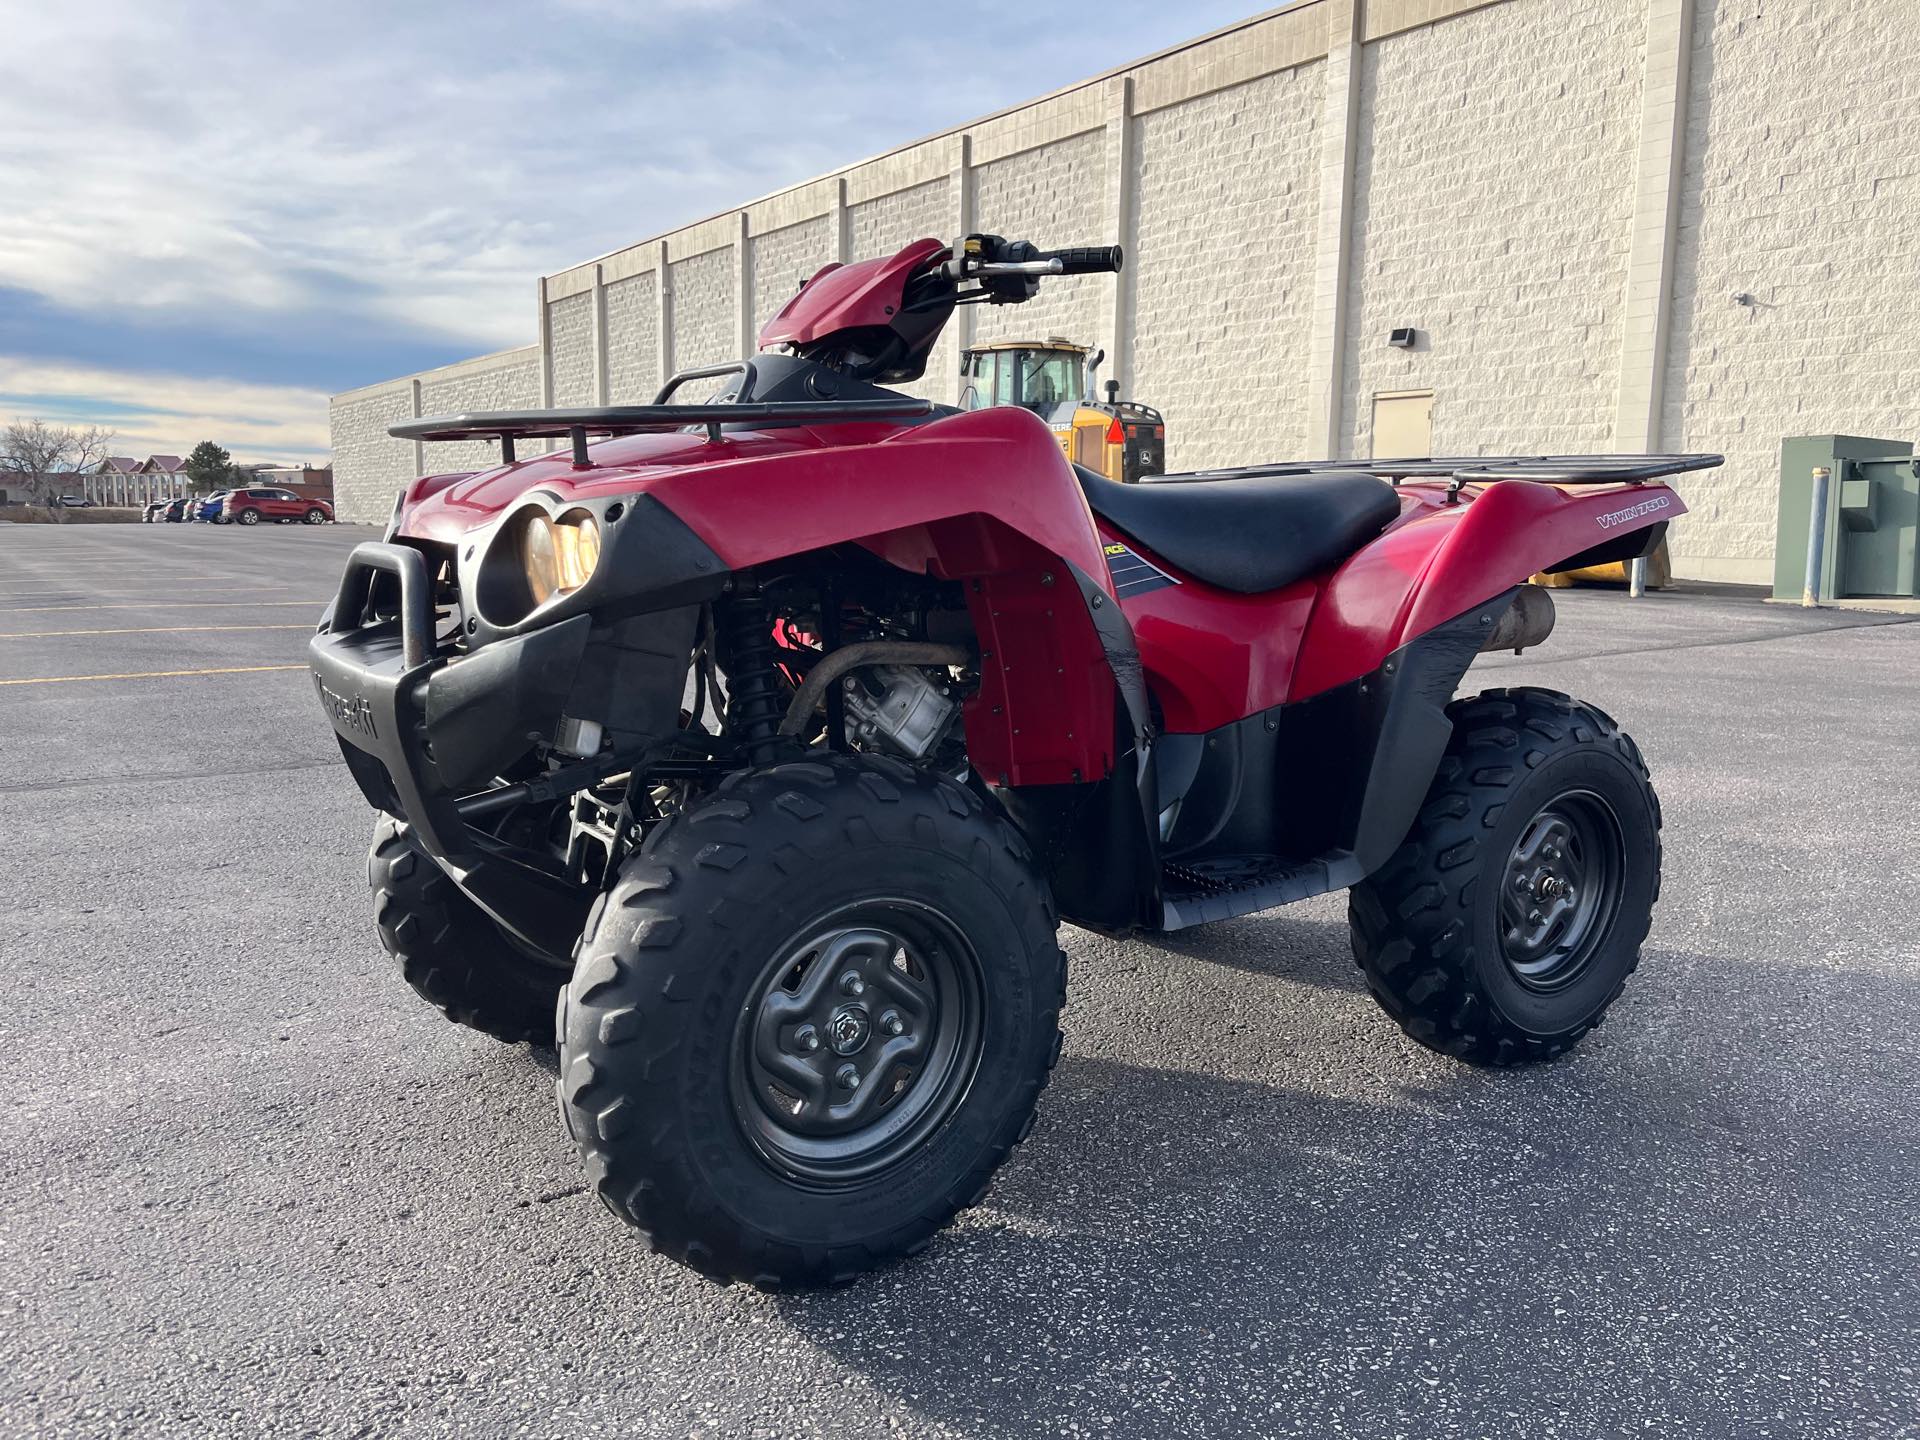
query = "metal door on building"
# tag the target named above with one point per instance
(1403, 425)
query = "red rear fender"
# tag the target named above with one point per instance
(1440, 559)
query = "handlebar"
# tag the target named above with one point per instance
(1086, 260)
(987, 257)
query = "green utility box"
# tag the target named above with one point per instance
(1873, 518)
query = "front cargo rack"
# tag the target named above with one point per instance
(506, 426)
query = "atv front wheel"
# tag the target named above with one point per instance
(450, 950)
(1511, 916)
(811, 1019)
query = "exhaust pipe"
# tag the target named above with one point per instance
(1528, 621)
(1089, 368)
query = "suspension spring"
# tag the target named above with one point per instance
(755, 703)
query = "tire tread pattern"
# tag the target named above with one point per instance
(1411, 921)
(619, 1024)
(448, 949)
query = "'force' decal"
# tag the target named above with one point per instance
(1615, 518)
(1132, 575)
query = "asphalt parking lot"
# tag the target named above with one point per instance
(253, 1186)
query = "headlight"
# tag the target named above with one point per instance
(576, 545)
(558, 556)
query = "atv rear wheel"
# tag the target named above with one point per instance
(450, 950)
(1511, 916)
(811, 1019)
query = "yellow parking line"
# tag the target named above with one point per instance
(146, 630)
(163, 605)
(140, 594)
(151, 674)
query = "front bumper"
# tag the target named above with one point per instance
(419, 724)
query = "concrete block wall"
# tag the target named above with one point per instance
(1221, 270)
(370, 466)
(570, 349)
(1493, 199)
(1562, 196)
(706, 325)
(1800, 189)
(507, 381)
(633, 339)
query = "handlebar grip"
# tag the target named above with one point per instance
(1086, 259)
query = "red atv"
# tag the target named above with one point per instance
(775, 735)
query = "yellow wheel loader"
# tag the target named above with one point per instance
(1055, 379)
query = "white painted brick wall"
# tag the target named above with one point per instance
(1801, 188)
(1493, 210)
(879, 227)
(370, 467)
(1051, 196)
(571, 321)
(633, 340)
(514, 386)
(782, 259)
(705, 326)
(1220, 323)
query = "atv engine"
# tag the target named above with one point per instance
(893, 707)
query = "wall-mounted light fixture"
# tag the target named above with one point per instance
(1402, 337)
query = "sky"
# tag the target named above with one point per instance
(214, 215)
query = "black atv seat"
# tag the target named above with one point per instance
(1247, 533)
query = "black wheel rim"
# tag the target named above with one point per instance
(857, 1041)
(1561, 890)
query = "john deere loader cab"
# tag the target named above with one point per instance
(1056, 379)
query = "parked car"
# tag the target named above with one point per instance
(250, 507)
(75, 502)
(151, 514)
(211, 509)
(177, 509)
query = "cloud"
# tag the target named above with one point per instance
(329, 195)
(169, 415)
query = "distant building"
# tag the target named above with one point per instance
(122, 480)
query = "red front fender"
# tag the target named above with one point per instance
(1441, 558)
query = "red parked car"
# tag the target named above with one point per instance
(250, 507)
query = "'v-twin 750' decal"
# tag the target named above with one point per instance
(1133, 575)
(1615, 518)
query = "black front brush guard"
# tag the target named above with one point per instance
(375, 676)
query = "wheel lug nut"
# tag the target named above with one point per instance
(807, 1038)
(892, 1023)
(852, 984)
(847, 1078)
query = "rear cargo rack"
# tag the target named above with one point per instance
(1486, 469)
(506, 426)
